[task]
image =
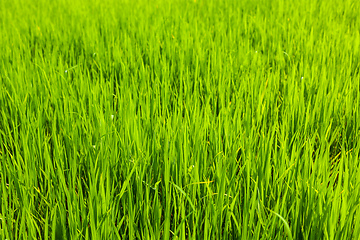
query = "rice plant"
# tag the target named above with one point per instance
(182, 119)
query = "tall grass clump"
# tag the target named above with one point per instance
(183, 119)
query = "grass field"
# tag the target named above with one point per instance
(179, 119)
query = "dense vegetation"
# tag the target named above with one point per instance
(184, 119)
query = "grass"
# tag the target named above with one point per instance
(179, 120)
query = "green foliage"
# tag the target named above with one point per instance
(179, 119)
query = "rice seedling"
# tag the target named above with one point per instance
(179, 119)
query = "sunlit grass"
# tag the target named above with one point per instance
(182, 119)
